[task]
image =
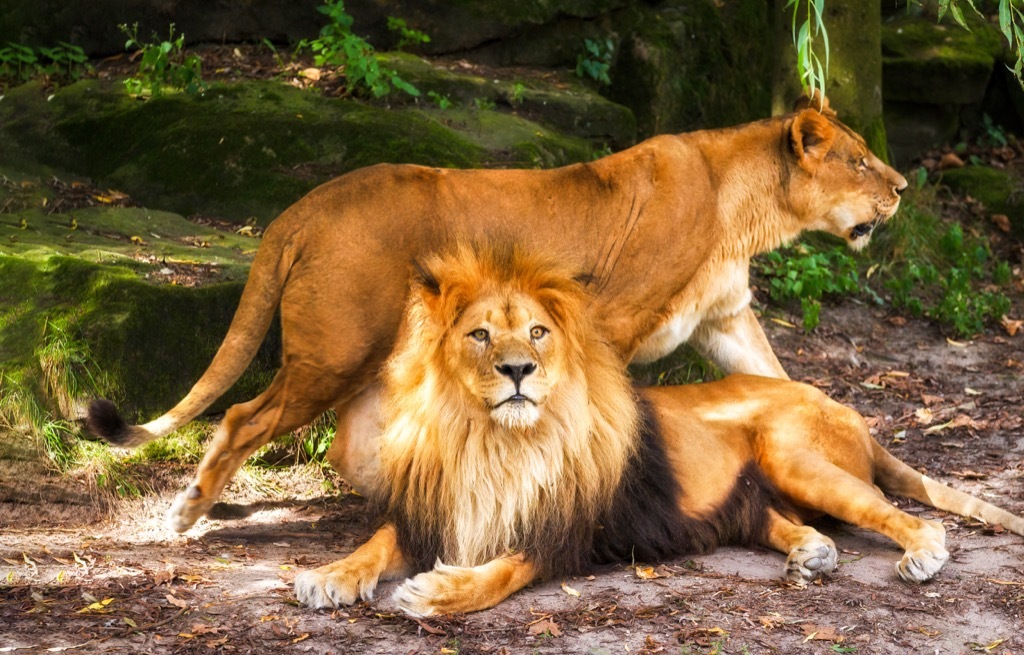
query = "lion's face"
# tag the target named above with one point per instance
(507, 351)
(840, 182)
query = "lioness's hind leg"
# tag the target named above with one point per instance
(809, 554)
(455, 589)
(283, 407)
(355, 577)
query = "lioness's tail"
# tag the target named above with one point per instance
(900, 479)
(252, 319)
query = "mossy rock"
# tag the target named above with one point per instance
(938, 63)
(559, 101)
(997, 189)
(95, 298)
(243, 150)
(687, 65)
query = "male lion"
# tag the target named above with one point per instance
(514, 448)
(665, 231)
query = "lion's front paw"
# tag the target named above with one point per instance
(334, 585)
(187, 508)
(811, 559)
(442, 590)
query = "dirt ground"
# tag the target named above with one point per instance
(124, 584)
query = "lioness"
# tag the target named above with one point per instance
(514, 448)
(665, 230)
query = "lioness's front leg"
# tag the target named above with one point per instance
(737, 344)
(451, 589)
(347, 580)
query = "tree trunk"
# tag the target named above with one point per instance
(854, 80)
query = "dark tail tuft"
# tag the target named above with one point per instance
(105, 422)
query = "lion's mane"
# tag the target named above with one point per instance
(459, 487)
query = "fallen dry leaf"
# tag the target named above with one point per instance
(569, 590)
(820, 633)
(177, 602)
(1002, 221)
(950, 160)
(646, 572)
(1012, 326)
(545, 626)
(924, 416)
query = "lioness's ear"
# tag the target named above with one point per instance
(816, 101)
(424, 278)
(811, 136)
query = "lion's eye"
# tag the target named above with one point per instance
(480, 335)
(538, 331)
(863, 165)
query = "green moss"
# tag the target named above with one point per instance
(937, 62)
(563, 103)
(690, 65)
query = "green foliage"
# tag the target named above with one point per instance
(809, 65)
(992, 134)
(338, 47)
(19, 63)
(484, 104)
(162, 64)
(66, 60)
(595, 60)
(518, 93)
(941, 272)
(442, 101)
(406, 36)
(806, 274)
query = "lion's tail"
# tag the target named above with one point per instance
(252, 319)
(900, 479)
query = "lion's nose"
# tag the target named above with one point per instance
(516, 372)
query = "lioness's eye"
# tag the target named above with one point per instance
(863, 162)
(538, 331)
(480, 335)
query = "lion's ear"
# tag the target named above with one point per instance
(816, 101)
(811, 136)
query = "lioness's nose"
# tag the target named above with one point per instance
(900, 186)
(516, 372)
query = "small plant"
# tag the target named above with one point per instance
(18, 62)
(805, 274)
(406, 35)
(338, 47)
(442, 101)
(484, 104)
(596, 60)
(993, 135)
(163, 63)
(518, 93)
(66, 60)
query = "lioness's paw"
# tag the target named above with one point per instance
(811, 559)
(923, 564)
(187, 508)
(324, 588)
(443, 590)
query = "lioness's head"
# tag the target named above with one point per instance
(838, 182)
(505, 325)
